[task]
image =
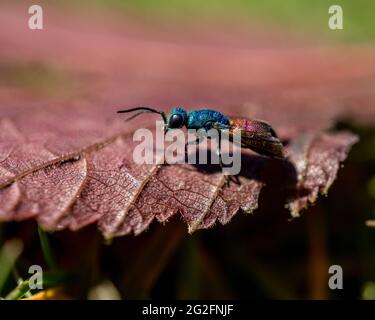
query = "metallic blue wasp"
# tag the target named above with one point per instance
(256, 135)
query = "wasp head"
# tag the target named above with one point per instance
(177, 119)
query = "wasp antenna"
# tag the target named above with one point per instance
(137, 114)
(138, 109)
(143, 110)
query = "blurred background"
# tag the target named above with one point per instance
(278, 58)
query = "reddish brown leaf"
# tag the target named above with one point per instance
(317, 163)
(100, 183)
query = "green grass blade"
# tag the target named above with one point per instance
(46, 249)
(21, 290)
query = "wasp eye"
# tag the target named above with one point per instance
(176, 121)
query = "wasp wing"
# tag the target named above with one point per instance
(256, 135)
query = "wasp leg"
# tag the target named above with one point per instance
(228, 178)
(194, 142)
(200, 137)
